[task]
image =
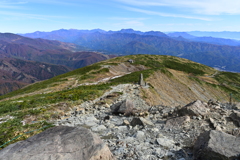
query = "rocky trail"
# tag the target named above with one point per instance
(121, 125)
(134, 130)
(214, 74)
(168, 118)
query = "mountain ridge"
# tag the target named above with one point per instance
(16, 73)
(205, 39)
(165, 64)
(115, 42)
(223, 34)
(21, 49)
(90, 92)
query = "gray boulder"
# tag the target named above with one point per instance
(217, 145)
(165, 142)
(237, 106)
(235, 116)
(59, 143)
(177, 122)
(125, 107)
(115, 107)
(196, 108)
(142, 122)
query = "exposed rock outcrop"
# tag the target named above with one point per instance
(177, 122)
(125, 107)
(165, 132)
(141, 122)
(196, 108)
(162, 132)
(216, 145)
(60, 143)
(235, 116)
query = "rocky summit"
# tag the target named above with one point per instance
(137, 131)
(133, 130)
(115, 115)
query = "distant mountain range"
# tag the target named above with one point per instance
(220, 38)
(206, 39)
(16, 73)
(47, 51)
(72, 34)
(224, 34)
(79, 48)
(214, 52)
(25, 60)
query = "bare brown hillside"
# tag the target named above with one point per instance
(178, 89)
(16, 73)
(107, 85)
(173, 81)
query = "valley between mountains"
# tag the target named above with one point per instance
(214, 52)
(24, 60)
(73, 49)
(137, 118)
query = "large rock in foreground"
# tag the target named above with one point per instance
(59, 143)
(216, 145)
(196, 108)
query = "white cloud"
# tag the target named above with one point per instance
(124, 22)
(165, 14)
(11, 5)
(57, 2)
(134, 23)
(16, 3)
(31, 16)
(128, 24)
(210, 7)
(142, 3)
(10, 9)
(127, 19)
(207, 7)
(214, 7)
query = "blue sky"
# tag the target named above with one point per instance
(24, 16)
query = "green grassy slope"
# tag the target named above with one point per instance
(48, 100)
